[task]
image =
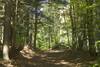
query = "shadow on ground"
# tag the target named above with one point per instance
(1, 65)
(55, 58)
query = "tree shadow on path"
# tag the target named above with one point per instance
(55, 58)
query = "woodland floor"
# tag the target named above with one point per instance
(52, 58)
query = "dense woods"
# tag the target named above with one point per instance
(45, 25)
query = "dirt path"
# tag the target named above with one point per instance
(54, 58)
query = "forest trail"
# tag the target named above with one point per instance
(53, 58)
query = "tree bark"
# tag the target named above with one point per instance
(91, 29)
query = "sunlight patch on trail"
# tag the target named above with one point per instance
(27, 52)
(55, 51)
(63, 62)
(43, 56)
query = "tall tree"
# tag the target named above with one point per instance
(7, 30)
(91, 27)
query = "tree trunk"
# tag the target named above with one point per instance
(9, 13)
(7, 42)
(5, 52)
(73, 23)
(91, 29)
(35, 28)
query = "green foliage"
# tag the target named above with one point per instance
(97, 45)
(96, 65)
(55, 24)
(59, 46)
